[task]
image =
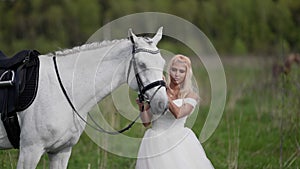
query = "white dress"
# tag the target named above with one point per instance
(170, 145)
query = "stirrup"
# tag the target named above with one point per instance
(7, 82)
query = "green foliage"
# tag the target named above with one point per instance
(46, 25)
(239, 47)
(234, 26)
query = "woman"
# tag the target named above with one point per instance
(168, 144)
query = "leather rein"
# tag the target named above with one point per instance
(142, 90)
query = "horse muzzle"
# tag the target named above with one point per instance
(159, 103)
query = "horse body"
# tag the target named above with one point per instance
(88, 73)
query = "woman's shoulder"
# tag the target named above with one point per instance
(192, 98)
(193, 95)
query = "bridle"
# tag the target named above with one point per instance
(141, 87)
(142, 90)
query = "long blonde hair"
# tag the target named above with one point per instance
(186, 86)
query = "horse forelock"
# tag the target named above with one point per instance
(86, 47)
(148, 40)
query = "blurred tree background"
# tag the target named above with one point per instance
(261, 122)
(235, 27)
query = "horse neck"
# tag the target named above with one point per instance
(96, 73)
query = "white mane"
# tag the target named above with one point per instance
(85, 47)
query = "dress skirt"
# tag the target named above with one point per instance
(177, 148)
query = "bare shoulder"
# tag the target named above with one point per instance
(193, 95)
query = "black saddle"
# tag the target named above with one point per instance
(18, 87)
(15, 61)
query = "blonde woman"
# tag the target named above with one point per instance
(168, 144)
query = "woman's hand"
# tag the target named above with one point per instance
(142, 105)
(172, 95)
(145, 115)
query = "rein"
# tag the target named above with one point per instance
(98, 128)
(142, 90)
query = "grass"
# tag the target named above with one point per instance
(259, 128)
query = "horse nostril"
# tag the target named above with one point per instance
(161, 105)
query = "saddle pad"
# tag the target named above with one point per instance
(28, 94)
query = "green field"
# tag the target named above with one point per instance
(259, 128)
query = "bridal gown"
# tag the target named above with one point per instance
(168, 144)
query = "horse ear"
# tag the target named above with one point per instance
(158, 36)
(132, 36)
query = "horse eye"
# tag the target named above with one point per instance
(142, 65)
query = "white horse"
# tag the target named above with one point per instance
(88, 73)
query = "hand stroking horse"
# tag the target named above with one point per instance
(76, 79)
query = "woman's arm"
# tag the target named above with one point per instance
(185, 109)
(146, 116)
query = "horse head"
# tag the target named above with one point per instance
(147, 67)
